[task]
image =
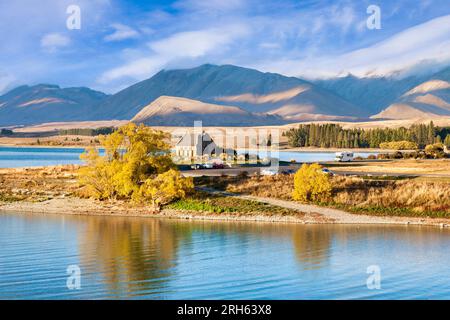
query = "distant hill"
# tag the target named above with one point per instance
(47, 103)
(375, 94)
(176, 111)
(430, 98)
(248, 97)
(248, 89)
(371, 93)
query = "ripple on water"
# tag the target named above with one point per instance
(170, 259)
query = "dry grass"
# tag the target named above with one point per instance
(441, 166)
(37, 184)
(382, 197)
(279, 187)
(418, 196)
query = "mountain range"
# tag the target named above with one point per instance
(233, 96)
(27, 105)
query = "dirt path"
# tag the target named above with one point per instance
(334, 215)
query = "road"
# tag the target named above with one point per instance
(254, 170)
(232, 171)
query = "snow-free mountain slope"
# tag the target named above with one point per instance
(47, 103)
(176, 111)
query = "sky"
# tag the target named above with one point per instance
(120, 42)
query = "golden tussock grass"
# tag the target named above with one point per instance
(419, 196)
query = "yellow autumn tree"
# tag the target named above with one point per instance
(133, 156)
(311, 184)
(163, 189)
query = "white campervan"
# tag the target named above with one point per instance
(344, 156)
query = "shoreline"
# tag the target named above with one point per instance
(25, 146)
(314, 216)
(300, 149)
(70, 208)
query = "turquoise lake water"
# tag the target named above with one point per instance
(145, 258)
(15, 157)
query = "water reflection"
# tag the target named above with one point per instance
(178, 259)
(312, 246)
(134, 256)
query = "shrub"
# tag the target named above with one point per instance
(435, 151)
(163, 189)
(399, 145)
(310, 184)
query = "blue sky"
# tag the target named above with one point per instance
(124, 41)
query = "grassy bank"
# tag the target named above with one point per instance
(57, 186)
(204, 202)
(406, 197)
(377, 197)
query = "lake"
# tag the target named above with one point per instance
(145, 258)
(16, 157)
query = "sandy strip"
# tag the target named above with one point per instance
(76, 206)
(308, 214)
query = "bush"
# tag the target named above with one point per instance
(310, 184)
(435, 151)
(399, 145)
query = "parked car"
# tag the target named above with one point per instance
(288, 171)
(327, 171)
(269, 172)
(197, 166)
(218, 166)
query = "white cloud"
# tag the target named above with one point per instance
(137, 69)
(121, 32)
(196, 43)
(210, 5)
(426, 41)
(179, 46)
(53, 41)
(5, 82)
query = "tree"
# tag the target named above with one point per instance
(163, 189)
(447, 141)
(311, 184)
(6, 132)
(134, 157)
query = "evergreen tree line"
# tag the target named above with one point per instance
(332, 135)
(87, 132)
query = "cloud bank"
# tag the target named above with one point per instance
(124, 41)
